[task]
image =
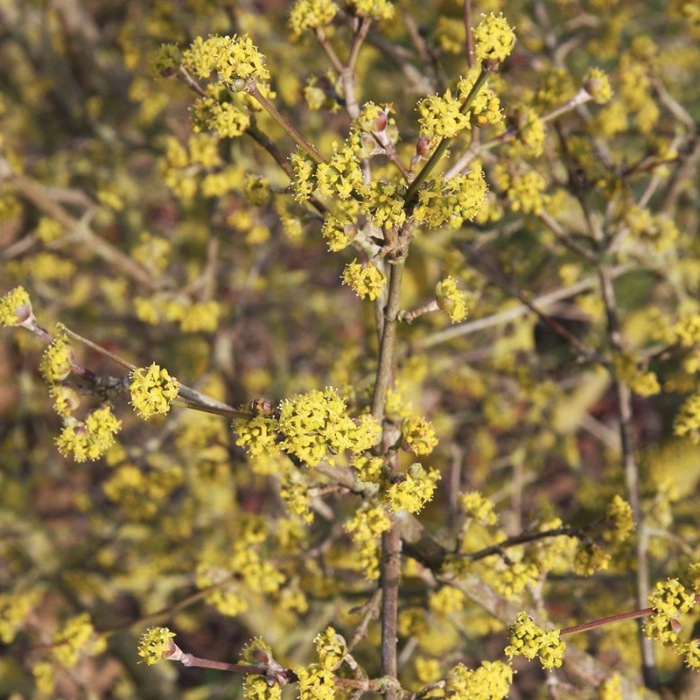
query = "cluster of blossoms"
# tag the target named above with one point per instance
(669, 600)
(231, 58)
(659, 230)
(311, 14)
(366, 279)
(193, 317)
(331, 648)
(442, 116)
(91, 438)
(312, 427)
(451, 201)
(76, 636)
(494, 39)
(590, 557)
(529, 640)
(155, 645)
(620, 520)
(530, 131)
(14, 610)
(141, 493)
(413, 489)
(217, 113)
(152, 390)
(640, 380)
(491, 680)
(15, 307)
(479, 508)
(451, 300)
(688, 419)
(418, 436)
(316, 682)
(365, 527)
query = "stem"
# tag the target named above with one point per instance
(252, 89)
(624, 404)
(443, 145)
(386, 351)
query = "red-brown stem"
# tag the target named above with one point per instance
(252, 89)
(631, 615)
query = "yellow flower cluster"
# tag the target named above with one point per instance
(365, 527)
(620, 520)
(155, 645)
(74, 638)
(640, 381)
(257, 688)
(14, 610)
(296, 495)
(311, 14)
(597, 85)
(57, 361)
(491, 681)
(225, 595)
(555, 87)
(448, 600)
(257, 435)
(659, 230)
(524, 191)
(529, 640)
(511, 579)
(15, 307)
(493, 39)
(451, 300)
(340, 175)
(479, 508)
(485, 107)
(140, 493)
(316, 425)
(442, 117)
(412, 490)
(197, 317)
(231, 58)
(216, 113)
(371, 469)
(152, 390)
(443, 201)
(331, 648)
(49, 230)
(688, 419)
(89, 439)
(166, 59)
(257, 189)
(384, 204)
(590, 557)
(316, 682)
(303, 174)
(365, 278)
(530, 130)
(418, 436)
(376, 9)
(339, 228)
(669, 600)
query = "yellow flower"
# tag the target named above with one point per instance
(57, 362)
(366, 279)
(451, 300)
(15, 307)
(152, 390)
(493, 38)
(311, 14)
(155, 645)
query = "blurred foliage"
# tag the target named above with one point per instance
(129, 217)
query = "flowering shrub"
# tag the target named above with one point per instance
(428, 281)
